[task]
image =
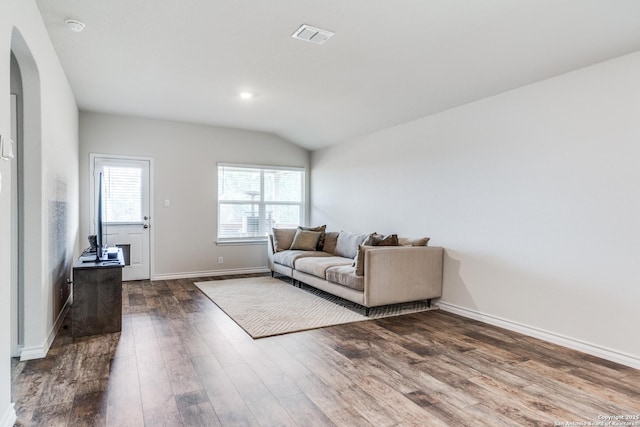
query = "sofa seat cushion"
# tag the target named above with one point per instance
(289, 257)
(345, 275)
(318, 266)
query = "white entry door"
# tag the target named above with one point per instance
(126, 210)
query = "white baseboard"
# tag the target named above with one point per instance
(211, 273)
(572, 343)
(33, 352)
(9, 417)
(38, 352)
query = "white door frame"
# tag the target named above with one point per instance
(92, 159)
(17, 272)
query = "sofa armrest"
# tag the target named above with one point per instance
(270, 251)
(396, 274)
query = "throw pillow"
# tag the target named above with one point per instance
(359, 262)
(330, 240)
(423, 241)
(373, 240)
(389, 240)
(407, 241)
(347, 244)
(282, 238)
(321, 229)
(305, 240)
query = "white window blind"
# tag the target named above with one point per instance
(254, 199)
(122, 194)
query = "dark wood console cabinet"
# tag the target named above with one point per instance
(97, 296)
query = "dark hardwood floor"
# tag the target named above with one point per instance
(180, 360)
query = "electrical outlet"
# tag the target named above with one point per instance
(220, 260)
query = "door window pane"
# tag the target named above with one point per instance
(122, 194)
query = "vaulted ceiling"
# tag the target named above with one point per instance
(389, 62)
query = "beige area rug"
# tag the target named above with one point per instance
(266, 306)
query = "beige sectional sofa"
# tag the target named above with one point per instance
(353, 267)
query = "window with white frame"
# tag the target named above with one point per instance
(254, 199)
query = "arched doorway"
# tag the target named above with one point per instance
(26, 194)
(17, 208)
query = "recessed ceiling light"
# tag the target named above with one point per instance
(74, 25)
(246, 95)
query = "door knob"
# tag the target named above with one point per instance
(145, 226)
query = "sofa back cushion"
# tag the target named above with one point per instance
(282, 238)
(347, 244)
(330, 241)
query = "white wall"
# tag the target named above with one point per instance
(185, 159)
(7, 413)
(51, 197)
(533, 193)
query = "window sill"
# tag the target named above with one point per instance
(242, 242)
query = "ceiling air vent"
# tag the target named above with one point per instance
(312, 34)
